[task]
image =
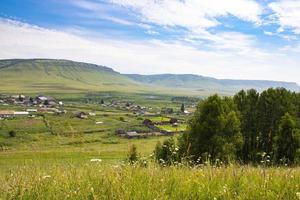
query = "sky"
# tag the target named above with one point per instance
(234, 39)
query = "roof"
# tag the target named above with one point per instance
(132, 133)
(6, 112)
(21, 113)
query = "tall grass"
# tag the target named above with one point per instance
(95, 180)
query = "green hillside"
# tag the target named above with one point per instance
(201, 83)
(39, 75)
(64, 76)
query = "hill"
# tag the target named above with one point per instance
(197, 82)
(64, 76)
(35, 75)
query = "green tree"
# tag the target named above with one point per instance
(46, 102)
(182, 108)
(287, 140)
(214, 130)
(272, 105)
(247, 105)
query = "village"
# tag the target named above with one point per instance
(123, 118)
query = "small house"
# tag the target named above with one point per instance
(81, 115)
(131, 134)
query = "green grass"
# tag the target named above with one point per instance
(180, 127)
(38, 180)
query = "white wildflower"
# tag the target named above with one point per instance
(46, 176)
(96, 160)
(298, 195)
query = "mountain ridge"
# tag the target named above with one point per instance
(157, 79)
(67, 75)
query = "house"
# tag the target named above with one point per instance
(31, 110)
(92, 114)
(186, 112)
(131, 134)
(6, 113)
(41, 98)
(20, 113)
(81, 115)
(167, 110)
(121, 132)
(11, 113)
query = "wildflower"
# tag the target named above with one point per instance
(298, 195)
(46, 176)
(95, 160)
(176, 149)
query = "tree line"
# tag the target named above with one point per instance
(250, 127)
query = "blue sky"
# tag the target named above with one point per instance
(240, 39)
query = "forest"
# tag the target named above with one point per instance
(250, 127)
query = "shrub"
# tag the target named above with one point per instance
(132, 156)
(166, 153)
(122, 119)
(12, 133)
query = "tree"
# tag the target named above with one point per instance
(246, 103)
(287, 140)
(272, 105)
(102, 101)
(214, 130)
(182, 108)
(46, 102)
(21, 98)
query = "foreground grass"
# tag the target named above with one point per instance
(94, 180)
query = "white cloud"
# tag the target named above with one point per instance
(192, 14)
(268, 33)
(287, 13)
(18, 40)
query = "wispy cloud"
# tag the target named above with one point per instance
(287, 14)
(192, 14)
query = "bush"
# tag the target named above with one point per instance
(132, 154)
(122, 119)
(166, 153)
(12, 133)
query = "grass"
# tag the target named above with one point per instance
(181, 127)
(93, 180)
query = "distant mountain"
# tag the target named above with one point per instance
(197, 82)
(52, 75)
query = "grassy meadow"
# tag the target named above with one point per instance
(64, 157)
